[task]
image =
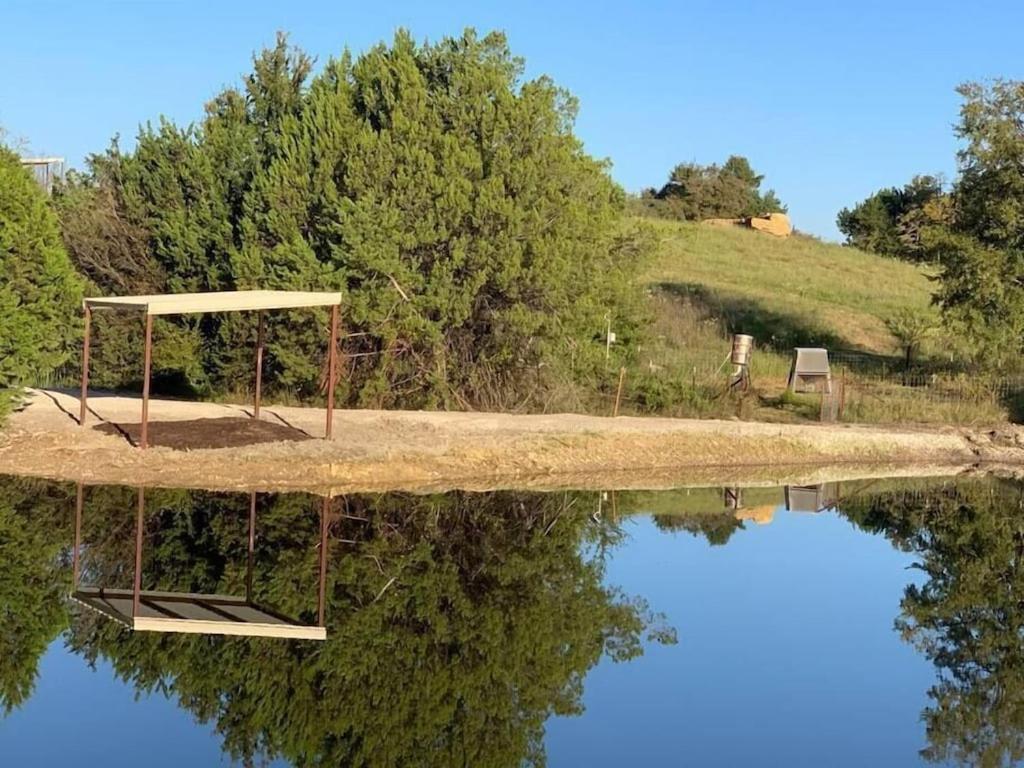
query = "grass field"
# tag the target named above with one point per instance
(707, 283)
(796, 289)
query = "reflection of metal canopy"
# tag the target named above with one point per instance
(196, 614)
(151, 305)
(155, 611)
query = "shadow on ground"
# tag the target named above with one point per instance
(230, 432)
(775, 330)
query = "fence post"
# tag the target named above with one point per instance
(842, 395)
(618, 392)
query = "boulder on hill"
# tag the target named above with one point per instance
(774, 224)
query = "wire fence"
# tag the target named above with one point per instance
(864, 388)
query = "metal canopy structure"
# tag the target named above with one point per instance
(216, 301)
(152, 305)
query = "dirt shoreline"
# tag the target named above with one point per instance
(436, 451)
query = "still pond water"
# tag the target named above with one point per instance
(863, 623)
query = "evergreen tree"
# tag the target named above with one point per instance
(40, 295)
(479, 249)
(730, 191)
(980, 243)
(890, 222)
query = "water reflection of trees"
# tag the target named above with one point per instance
(457, 624)
(33, 529)
(967, 614)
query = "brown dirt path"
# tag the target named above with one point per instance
(413, 450)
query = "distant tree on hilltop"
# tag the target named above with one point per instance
(890, 221)
(695, 192)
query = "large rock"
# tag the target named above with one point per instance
(774, 224)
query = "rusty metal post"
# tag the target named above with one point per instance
(137, 586)
(79, 503)
(321, 602)
(85, 367)
(618, 392)
(146, 365)
(252, 546)
(259, 366)
(332, 366)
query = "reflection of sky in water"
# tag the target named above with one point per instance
(85, 717)
(787, 654)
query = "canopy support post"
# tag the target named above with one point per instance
(259, 366)
(146, 365)
(137, 586)
(85, 366)
(321, 602)
(332, 366)
(252, 546)
(75, 568)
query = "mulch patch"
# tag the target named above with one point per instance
(231, 432)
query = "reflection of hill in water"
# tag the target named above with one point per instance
(457, 624)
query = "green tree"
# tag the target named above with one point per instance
(911, 328)
(478, 248)
(890, 222)
(981, 244)
(40, 295)
(733, 190)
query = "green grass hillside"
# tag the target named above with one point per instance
(706, 283)
(798, 290)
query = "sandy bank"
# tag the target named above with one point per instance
(406, 450)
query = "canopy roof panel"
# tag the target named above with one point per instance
(215, 301)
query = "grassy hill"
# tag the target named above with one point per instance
(707, 283)
(797, 289)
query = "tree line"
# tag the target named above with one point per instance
(695, 192)
(482, 254)
(479, 249)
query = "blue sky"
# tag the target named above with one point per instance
(829, 100)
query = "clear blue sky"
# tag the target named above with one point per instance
(829, 100)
